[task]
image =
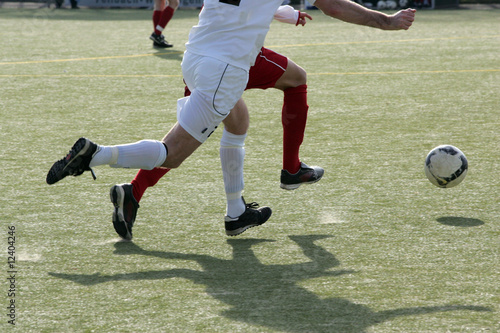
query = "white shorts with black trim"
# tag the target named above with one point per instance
(215, 88)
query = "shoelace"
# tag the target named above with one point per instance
(252, 205)
(78, 172)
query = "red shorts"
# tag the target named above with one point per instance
(269, 67)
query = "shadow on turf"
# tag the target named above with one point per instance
(169, 55)
(269, 295)
(456, 221)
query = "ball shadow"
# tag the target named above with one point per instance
(456, 221)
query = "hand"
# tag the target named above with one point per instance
(302, 18)
(403, 19)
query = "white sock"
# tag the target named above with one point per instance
(232, 156)
(145, 154)
(235, 207)
(104, 155)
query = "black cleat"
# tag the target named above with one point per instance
(252, 217)
(159, 41)
(75, 163)
(305, 175)
(125, 211)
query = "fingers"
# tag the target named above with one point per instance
(302, 18)
(306, 15)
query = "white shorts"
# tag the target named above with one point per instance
(215, 88)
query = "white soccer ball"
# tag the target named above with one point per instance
(446, 166)
(381, 5)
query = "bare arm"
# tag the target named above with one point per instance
(352, 12)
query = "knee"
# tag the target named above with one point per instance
(174, 4)
(294, 76)
(238, 120)
(301, 77)
(159, 4)
(237, 128)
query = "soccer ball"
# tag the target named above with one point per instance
(446, 166)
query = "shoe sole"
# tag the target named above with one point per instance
(291, 187)
(56, 173)
(117, 195)
(241, 230)
(155, 44)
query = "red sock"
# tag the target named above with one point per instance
(293, 118)
(156, 18)
(145, 179)
(166, 15)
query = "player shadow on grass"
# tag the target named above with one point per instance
(269, 295)
(169, 54)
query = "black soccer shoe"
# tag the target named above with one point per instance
(125, 211)
(75, 163)
(252, 217)
(305, 175)
(159, 41)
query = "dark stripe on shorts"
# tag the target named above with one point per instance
(231, 2)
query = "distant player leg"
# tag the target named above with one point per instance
(157, 13)
(162, 14)
(166, 16)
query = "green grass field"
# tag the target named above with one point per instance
(373, 247)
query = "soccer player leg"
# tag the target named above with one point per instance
(239, 215)
(232, 156)
(166, 15)
(159, 6)
(273, 70)
(294, 118)
(294, 113)
(144, 154)
(85, 154)
(146, 178)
